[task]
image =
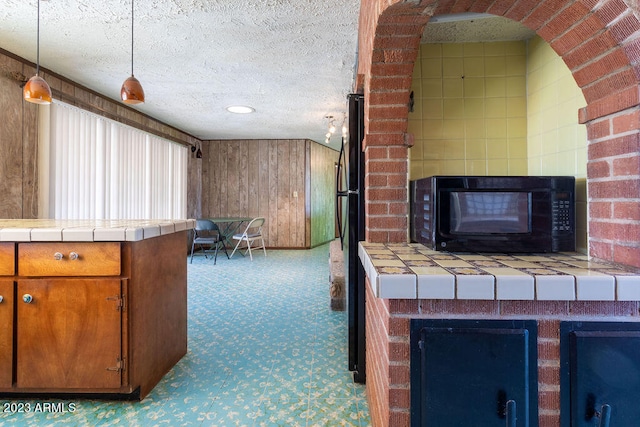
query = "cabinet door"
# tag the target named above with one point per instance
(6, 333)
(465, 372)
(69, 333)
(599, 365)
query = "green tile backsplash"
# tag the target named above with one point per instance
(499, 108)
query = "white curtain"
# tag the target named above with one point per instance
(102, 169)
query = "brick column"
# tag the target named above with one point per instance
(394, 51)
(613, 172)
(386, 206)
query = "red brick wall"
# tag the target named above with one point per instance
(600, 46)
(548, 313)
(388, 49)
(598, 40)
(613, 185)
(377, 358)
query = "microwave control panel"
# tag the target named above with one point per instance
(562, 212)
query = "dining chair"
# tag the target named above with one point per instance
(251, 233)
(207, 233)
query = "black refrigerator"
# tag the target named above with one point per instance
(350, 213)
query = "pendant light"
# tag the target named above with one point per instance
(131, 91)
(36, 89)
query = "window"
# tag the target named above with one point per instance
(102, 169)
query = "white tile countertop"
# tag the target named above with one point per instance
(54, 230)
(412, 271)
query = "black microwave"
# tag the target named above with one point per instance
(494, 213)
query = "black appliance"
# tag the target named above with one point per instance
(350, 216)
(494, 213)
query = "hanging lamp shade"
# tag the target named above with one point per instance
(36, 89)
(131, 91)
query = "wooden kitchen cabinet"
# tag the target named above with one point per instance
(102, 318)
(6, 332)
(7, 259)
(69, 333)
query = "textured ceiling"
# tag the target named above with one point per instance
(291, 60)
(464, 28)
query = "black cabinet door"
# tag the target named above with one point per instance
(600, 365)
(463, 373)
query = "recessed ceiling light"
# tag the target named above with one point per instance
(240, 109)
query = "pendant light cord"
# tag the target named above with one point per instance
(38, 43)
(131, 37)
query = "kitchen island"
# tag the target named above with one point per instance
(91, 307)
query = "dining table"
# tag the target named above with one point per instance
(229, 226)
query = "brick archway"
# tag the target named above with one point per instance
(598, 40)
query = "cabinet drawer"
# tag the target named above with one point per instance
(7, 259)
(69, 259)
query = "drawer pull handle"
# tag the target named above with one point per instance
(74, 256)
(1, 298)
(27, 298)
(58, 256)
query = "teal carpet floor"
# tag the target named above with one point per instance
(264, 349)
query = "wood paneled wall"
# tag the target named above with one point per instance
(323, 197)
(18, 145)
(19, 135)
(269, 178)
